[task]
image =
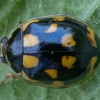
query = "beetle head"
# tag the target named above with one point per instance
(3, 46)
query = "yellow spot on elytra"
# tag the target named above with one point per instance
(29, 22)
(30, 40)
(52, 28)
(30, 61)
(58, 83)
(67, 40)
(90, 36)
(59, 18)
(91, 64)
(68, 61)
(51, 72)
(27, 78)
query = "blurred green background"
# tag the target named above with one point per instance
(15, 10)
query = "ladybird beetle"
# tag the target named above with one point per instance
(53, 51)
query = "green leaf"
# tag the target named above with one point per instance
(15, 10)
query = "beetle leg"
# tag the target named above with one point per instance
(21, 25)
(15, 77)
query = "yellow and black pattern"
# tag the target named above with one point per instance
(56, 51)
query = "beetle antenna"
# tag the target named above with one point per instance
(4, 70)
(6, 24)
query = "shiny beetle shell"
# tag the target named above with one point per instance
(53, 51)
